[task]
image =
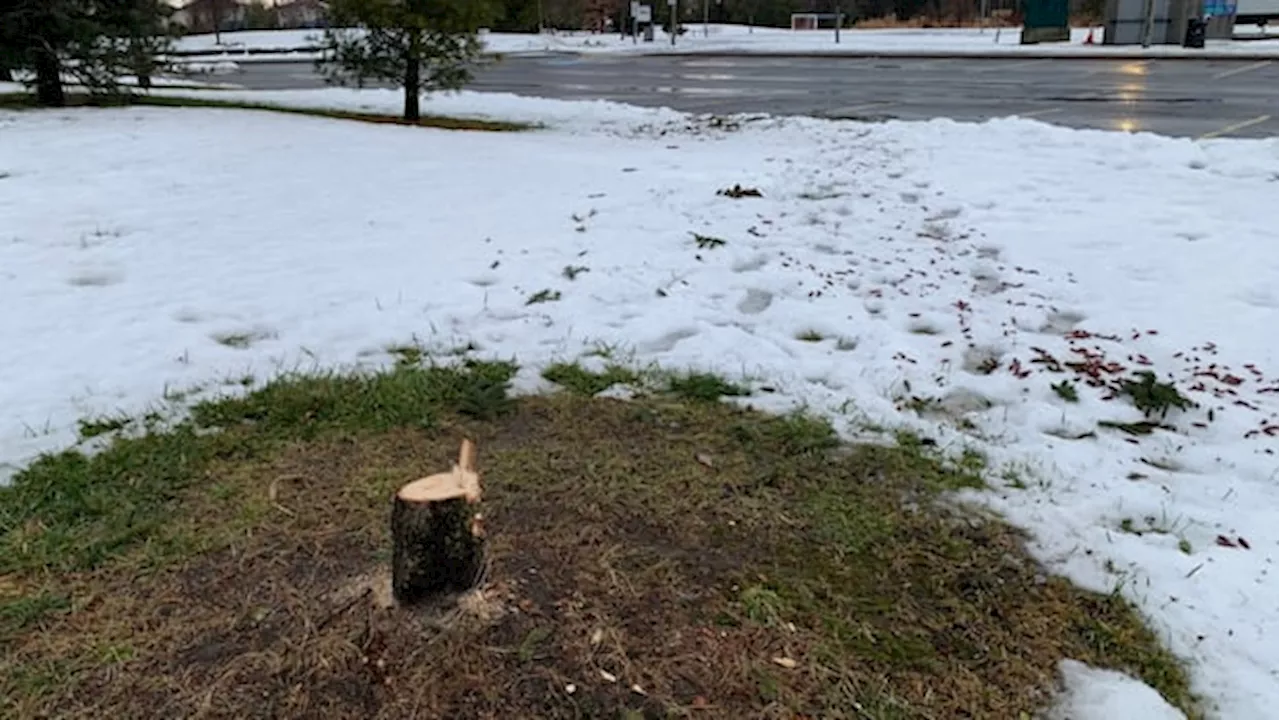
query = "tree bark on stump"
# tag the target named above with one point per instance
(436, 533)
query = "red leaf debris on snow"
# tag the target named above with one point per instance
(1043, 357)
(961, 305)
(1142, 360)
(1231, 379)
(947, 343)
(1079, 334)
(1271, 430)
(1016, 368)
(1239, 542)
(1153, 332)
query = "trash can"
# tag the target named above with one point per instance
(1195, 33)
(648, 32)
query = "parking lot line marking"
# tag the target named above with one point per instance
(1041, 111)
(999, 67)
(1124, 67)
(1245, 69)
(1234, 127)
(863, 107)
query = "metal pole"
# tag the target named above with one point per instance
(1148, 24)
(839, 19)
(675, 20)
(706, 18)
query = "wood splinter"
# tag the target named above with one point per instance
(437, 533)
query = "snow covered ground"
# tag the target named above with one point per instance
(923, 275)
(741, 39)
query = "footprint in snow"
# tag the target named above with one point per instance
(750, 264)
(668, 341)
(95, 278)
(946, 214)
(989, 252)
(755, 301)
(924, 326)
(982, 359)
(483, 280)
(987, 279)
(1257, 296)
(1060, 322)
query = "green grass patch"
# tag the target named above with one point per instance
(770, 568)
(576, 379)
(704, 387)
(23, 612)
(70, 511)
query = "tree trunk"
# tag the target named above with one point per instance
(49, 80)
(436, 534)
(412, 89)
(6, 73)
(144, 81)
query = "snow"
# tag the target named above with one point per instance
(734, 39)
(250, 39)
(1095, 693)
(135, 238)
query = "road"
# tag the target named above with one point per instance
(1186, 98)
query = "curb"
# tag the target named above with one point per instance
(939, 55)
(303, 56)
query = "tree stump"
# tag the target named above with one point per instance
(436, 533)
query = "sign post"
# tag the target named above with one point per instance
(674, 7)
(641, 14)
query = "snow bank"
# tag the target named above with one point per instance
(741, 39)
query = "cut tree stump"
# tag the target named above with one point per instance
(436, 533)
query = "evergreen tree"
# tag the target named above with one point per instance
(94, 41)
(420, 45)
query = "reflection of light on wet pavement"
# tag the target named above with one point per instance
(1126, 125)
(701, 91)
(1131, 92)
(1134, 68)
(709, 64)
(707, 76)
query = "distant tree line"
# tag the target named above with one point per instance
(529, 15)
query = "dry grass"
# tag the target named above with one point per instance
(890, 22)
(654, 558)
(78, 99)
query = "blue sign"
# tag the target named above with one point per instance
(1219, 8)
